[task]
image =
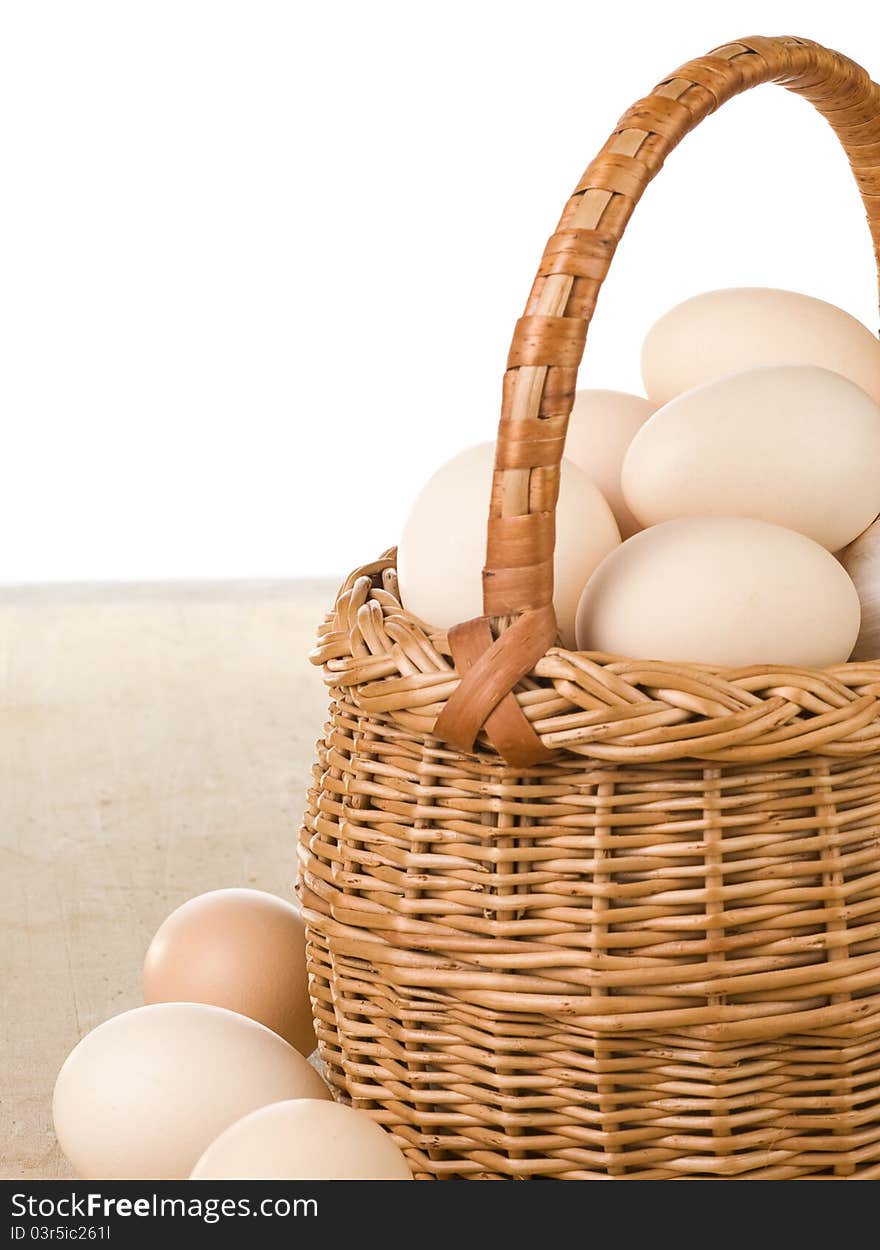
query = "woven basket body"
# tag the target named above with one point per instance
(598, 917)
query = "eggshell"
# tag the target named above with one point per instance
(861, 559)
(304, 1141)
(721, 332)
(241, 949)
(601, 427)
(725, 591)
(442, 550)
(793, 445)
(143, 1095)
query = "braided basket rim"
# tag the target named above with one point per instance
(613, 708)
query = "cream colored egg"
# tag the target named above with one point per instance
(241, 949)
(143, 1095)
(790, 444)
(304, 1141)
(725, 591)
(747, 327)
(861, 559)
(601, 427)
(442, 550)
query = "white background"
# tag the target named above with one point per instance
(260, 262)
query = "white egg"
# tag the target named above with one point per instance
(861, 560)
(442, 550)
(144, 1094)
(304, 1141)
(725, 591)
(240, 949)
(747, 327)
(790, 444)
(601, 427)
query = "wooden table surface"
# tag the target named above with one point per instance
(155, 742)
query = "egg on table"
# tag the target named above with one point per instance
(721, 332)
(601, 427)
(722, 591)
(442, 549)
(143, 1095)
(237, 948)
(304, 1141)
(791, 444)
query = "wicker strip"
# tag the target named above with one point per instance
(507, 729)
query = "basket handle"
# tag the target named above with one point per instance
(549, 340)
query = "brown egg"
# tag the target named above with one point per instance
(239, 949)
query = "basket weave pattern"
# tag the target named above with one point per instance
(653, 949)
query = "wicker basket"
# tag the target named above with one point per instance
(579, 916)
